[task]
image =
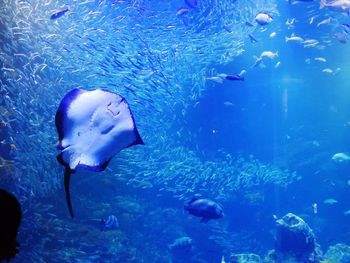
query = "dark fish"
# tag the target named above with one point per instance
(59, 13)
(110, 223)
(247, 23)
(346, 27)
(204, 208)
(234, 77)
(252, 38)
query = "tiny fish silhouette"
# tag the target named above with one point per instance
(59, 13)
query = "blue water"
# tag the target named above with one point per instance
(261, 147)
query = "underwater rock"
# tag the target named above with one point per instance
(245, 258)
(295, 239)
(339, 253)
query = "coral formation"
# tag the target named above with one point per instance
(245, 258)
(339, 253)
(295, 239)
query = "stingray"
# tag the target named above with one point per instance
(92, 127)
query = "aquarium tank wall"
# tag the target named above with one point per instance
(177, 131)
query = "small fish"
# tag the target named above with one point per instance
(269, 54)
(247, 23)
(258, 61)
(263, 57)
(337, 5)
(320, 59)
(314, 207)
(216, 79)
(263, 18)
(347, 213)
(308, 61)
(110, 223)
(182, 11)
(328, 71)
(294, 38)
(273, 34)
(252, 38)
(59, 13)
(223, 259)
(182, 243)
(341, 36)
(228, 104)
(325, 22)
(243, 71)
(330, 201)
(299, 1)
(234, 77)
(290, 23)
(277, 65)
(310, 43)
(341, 157)
(312, 20)
(346, 27)
(316, 143)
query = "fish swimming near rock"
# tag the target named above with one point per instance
(59, 13)
(110, 223)
(92, 127)
(204, 208)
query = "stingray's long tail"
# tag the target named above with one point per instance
(67, 174)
